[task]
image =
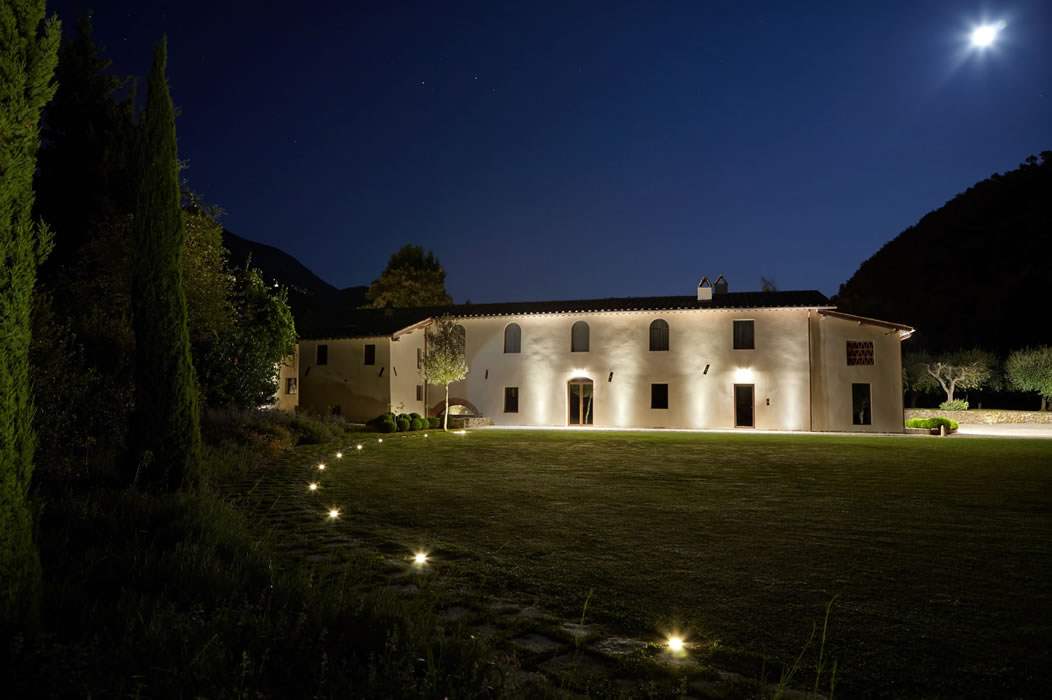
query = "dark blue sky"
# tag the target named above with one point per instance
(550, 150)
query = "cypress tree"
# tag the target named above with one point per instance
(28, 55)
(166, 431)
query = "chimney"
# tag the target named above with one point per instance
(704, 289)
(388, 310)
(720, 287)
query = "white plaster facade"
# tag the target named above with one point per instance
(798, 369)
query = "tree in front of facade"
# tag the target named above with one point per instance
(1030, 369)
(963, 369)
(165, 435)
(239, 367)
(444, 361)
(28, 56)
(411, 279)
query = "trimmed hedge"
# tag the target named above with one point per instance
(932, 423)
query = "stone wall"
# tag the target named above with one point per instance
(462, 422)
(988, 416)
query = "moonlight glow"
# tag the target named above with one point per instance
(984, 35)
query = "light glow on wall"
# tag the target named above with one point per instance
(743, 375)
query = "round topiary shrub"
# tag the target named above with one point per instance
(434, 422)
(387, 424)
(403, 422)
(416, 423)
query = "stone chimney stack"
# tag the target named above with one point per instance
(720, 287)
(704, 289)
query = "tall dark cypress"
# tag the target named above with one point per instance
(166, 432)
(28, 54)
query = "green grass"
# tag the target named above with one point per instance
(185, 595)
(939, 550)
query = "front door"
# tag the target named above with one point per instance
(743, 405)
(580, 401)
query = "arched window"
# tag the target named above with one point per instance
(659, 335)
(512, 338)
(463, 336)
(579, 337)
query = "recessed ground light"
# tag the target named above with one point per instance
(675, 643)
(334, 513)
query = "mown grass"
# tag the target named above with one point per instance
(182, 595)
(939, 551)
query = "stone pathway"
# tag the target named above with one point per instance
(541, 651)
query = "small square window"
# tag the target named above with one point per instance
(859, 352)
(659, 395)
(370, 354)
(291, 385)
(419, 392)
(743, 335)
(323, 355)
(511, 399)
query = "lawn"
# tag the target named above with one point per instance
(938, 551)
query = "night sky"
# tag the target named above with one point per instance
(556, 150)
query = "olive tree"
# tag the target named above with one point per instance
(444, 361)
(1030, 369)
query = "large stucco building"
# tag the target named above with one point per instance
(718, 360)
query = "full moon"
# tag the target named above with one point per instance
(984, 36)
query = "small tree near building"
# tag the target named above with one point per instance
(964, 369)
(916, 379)
(444, 361)
(1030, 369)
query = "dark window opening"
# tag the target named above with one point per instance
(743, 405)
(579, 337)
(419, 358)
(512, 338)
(659, 395)
(323, 355)
(370, 354)
(861, 406)
(511, 399)
(419, 392)
(659, 335)
(743, 335)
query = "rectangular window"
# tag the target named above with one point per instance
(659, 395)
(511, 399)
(419, 358)
(861, 408)
(291, 385)
(370, 354)
(859, 352)
(323, 355)
(743, 335)
(419, 392)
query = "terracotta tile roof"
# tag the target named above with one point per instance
(365, 323)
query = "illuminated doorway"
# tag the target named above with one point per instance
(581, 393)
(743, 405)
